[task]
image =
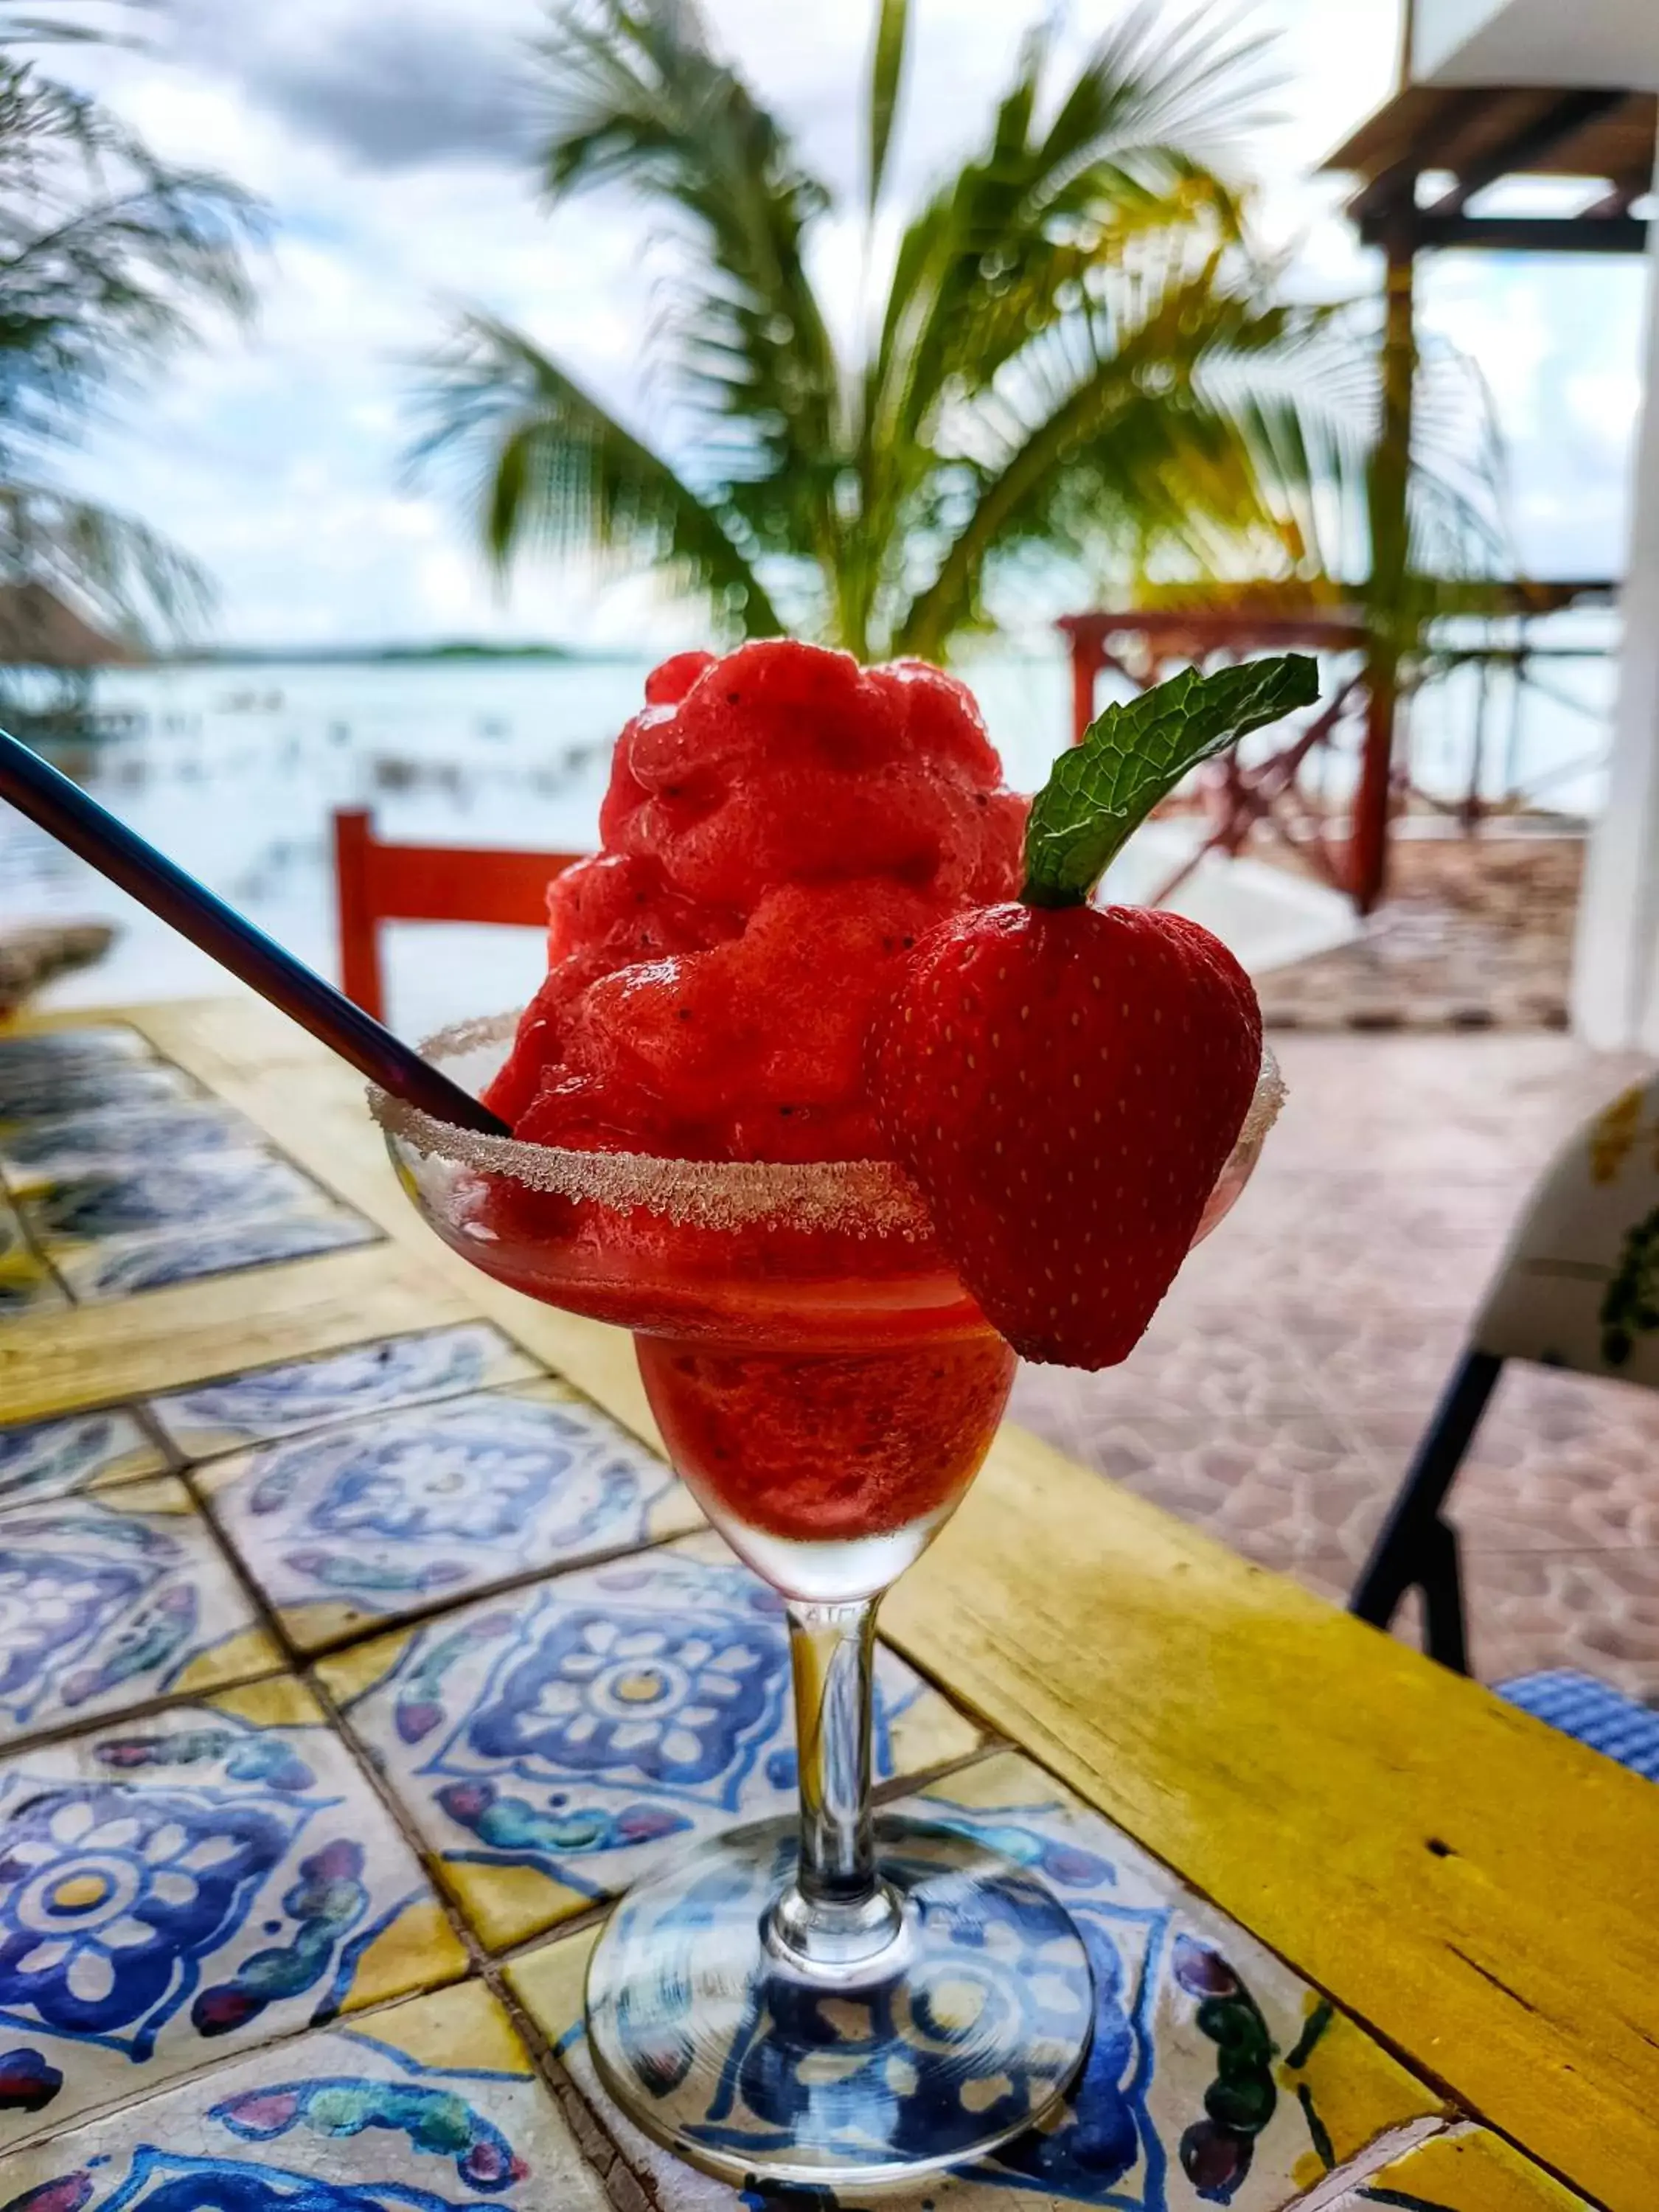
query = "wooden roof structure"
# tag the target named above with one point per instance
(1482, 134)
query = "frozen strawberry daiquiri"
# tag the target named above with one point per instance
(782, 830)
(838, 1094)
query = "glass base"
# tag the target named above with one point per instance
(964, 2029)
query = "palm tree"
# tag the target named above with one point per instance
(1077, 368)
(105, 252)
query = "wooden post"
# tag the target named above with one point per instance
(1408, 44)
(1086, 667)
(1388, 491)
(1615, 980)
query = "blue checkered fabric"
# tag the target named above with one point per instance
(1581, 1706)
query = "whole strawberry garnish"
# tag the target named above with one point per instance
(1065, 1081)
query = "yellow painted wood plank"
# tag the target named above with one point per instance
(167, 1339)
(1475, 2173)
(1478, 1889)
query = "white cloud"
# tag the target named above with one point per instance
(1603, 401)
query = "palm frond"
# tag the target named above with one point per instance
(887, 53)
(996, 255)
(1023, 238)
(1312, 419)
(637, 95)
(553, 472)
(127, 577)
(104, 253)
(1117, 425)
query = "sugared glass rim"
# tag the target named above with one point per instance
(866, 1197)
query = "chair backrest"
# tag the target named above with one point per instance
(1578, 1286)
(377, 883)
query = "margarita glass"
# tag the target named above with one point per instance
(840, 1998)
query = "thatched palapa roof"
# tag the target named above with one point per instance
(40, 630)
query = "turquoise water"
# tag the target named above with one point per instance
(235, 771)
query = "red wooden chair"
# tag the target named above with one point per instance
(377, 883)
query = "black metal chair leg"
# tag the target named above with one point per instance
(1416, 1548)
(1440, 1578)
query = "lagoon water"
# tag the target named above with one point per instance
(235, 771)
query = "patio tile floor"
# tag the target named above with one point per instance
(1279, 1395)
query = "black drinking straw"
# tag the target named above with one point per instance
(63, 809)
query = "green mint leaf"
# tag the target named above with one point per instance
(1101, 791)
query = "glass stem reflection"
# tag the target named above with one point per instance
(837, 1912)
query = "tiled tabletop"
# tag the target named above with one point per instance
(120, 1176)
(338, 1695)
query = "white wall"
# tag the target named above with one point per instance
(1564, 42)
(1439, 28)
(1616, 984)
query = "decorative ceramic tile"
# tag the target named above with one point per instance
(172, 1135)
(1215, 2077)
(107, 1601)
(95, 1042)
(552, 1747)
(279, 1401)
(241, 1185)
(126, 1264)
(87, 1086)
(365, 1522)
(436, 2105)
(49, 1459)
(175, 1889)
(1469, 2170)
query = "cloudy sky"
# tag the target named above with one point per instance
(390, 138)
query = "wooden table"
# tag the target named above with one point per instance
(1479, 1893)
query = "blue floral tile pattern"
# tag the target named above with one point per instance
(434, 2105)
(171, 1134)
(114, 1598)
(49, 1459)
(88, 1085)
(244, 1185)
(123, 1177)
(552, 1745)
(51, 1048)
(1216, 2078)
(174, 1887)
(280, 1402)
(122, 1265)
(348, 1527)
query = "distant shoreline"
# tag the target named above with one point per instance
(378, 656)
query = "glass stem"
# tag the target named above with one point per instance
(837, 1912)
